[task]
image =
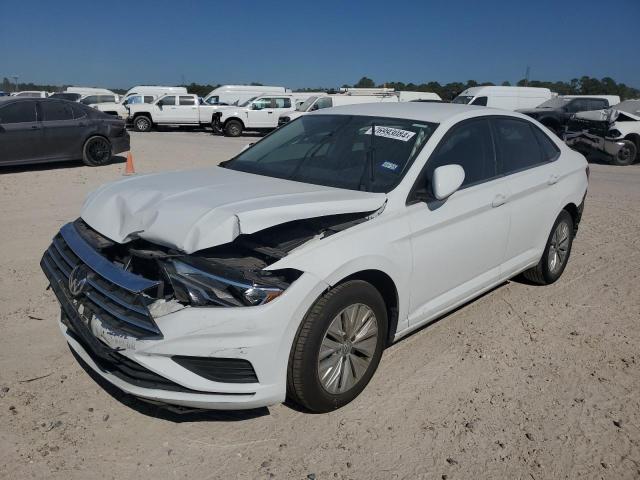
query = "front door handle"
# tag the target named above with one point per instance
(499, 199)
(269, 113)
(553, 179)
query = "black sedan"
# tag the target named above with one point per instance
(37, 130)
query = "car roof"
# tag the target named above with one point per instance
(433, 112)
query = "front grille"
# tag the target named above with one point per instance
(113, 295)
(593, 127)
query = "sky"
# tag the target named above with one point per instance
(297, 44)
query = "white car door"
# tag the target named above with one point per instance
(187, 109)
(527, 158)
(281, 106)
(164, 110)
(458, 244)
(260, 112)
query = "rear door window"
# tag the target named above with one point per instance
(148, 98)
(56, 111)
(516, 145)
(167, 101)
(186, 100)
(550, 150)
(91, 99)
(282, 102)
(469, 145)
(78, 111)
(18, 112)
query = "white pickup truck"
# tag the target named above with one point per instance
(183, 109)
(257, 114)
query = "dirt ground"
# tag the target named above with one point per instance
(524, 383)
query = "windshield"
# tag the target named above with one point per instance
(338, 151)
(557, 102)
(246, 104)
(465, 99)
(304, 106)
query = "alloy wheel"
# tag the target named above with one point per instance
(99, 151)
(347, 348)
(559, 247)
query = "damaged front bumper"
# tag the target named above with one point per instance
(216, 123)
(205, 357)
(584, 141)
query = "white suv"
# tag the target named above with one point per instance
(289, 268)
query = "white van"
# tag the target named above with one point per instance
(507, 98)
(236, 94)
(84, 91)
(31, 94)
(154, 90)
(418, 96)
(318, 102)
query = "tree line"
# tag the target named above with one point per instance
(578, 86)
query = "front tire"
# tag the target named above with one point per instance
(233, 128)
(96, 151)
(142, 124)
(338, 347)
(626, 155)
(556, 252)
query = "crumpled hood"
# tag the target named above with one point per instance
(196, 209)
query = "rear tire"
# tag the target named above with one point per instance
(626, 155)
(233, 128)
(338, 347)
(556, 252)
(142, 123)
(96, 151)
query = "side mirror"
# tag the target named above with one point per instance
(446, 180)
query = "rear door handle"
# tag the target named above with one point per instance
(553, 179)
(269, 113)
(34, 127)
(499, 199)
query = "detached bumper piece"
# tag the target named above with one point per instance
(124, 368)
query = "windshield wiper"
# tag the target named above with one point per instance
(311, 153)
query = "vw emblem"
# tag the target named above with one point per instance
(78, 279)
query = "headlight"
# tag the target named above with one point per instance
(613, 133)
(199, 287)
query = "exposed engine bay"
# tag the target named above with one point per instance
(230, 270)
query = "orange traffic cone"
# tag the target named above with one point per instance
(129, 170)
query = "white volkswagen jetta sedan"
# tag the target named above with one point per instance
(286, 270)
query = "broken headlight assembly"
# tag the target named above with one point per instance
(613, 133)
(199, 285)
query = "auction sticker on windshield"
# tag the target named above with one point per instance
(390, 132)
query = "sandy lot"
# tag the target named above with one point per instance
(526, 382)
